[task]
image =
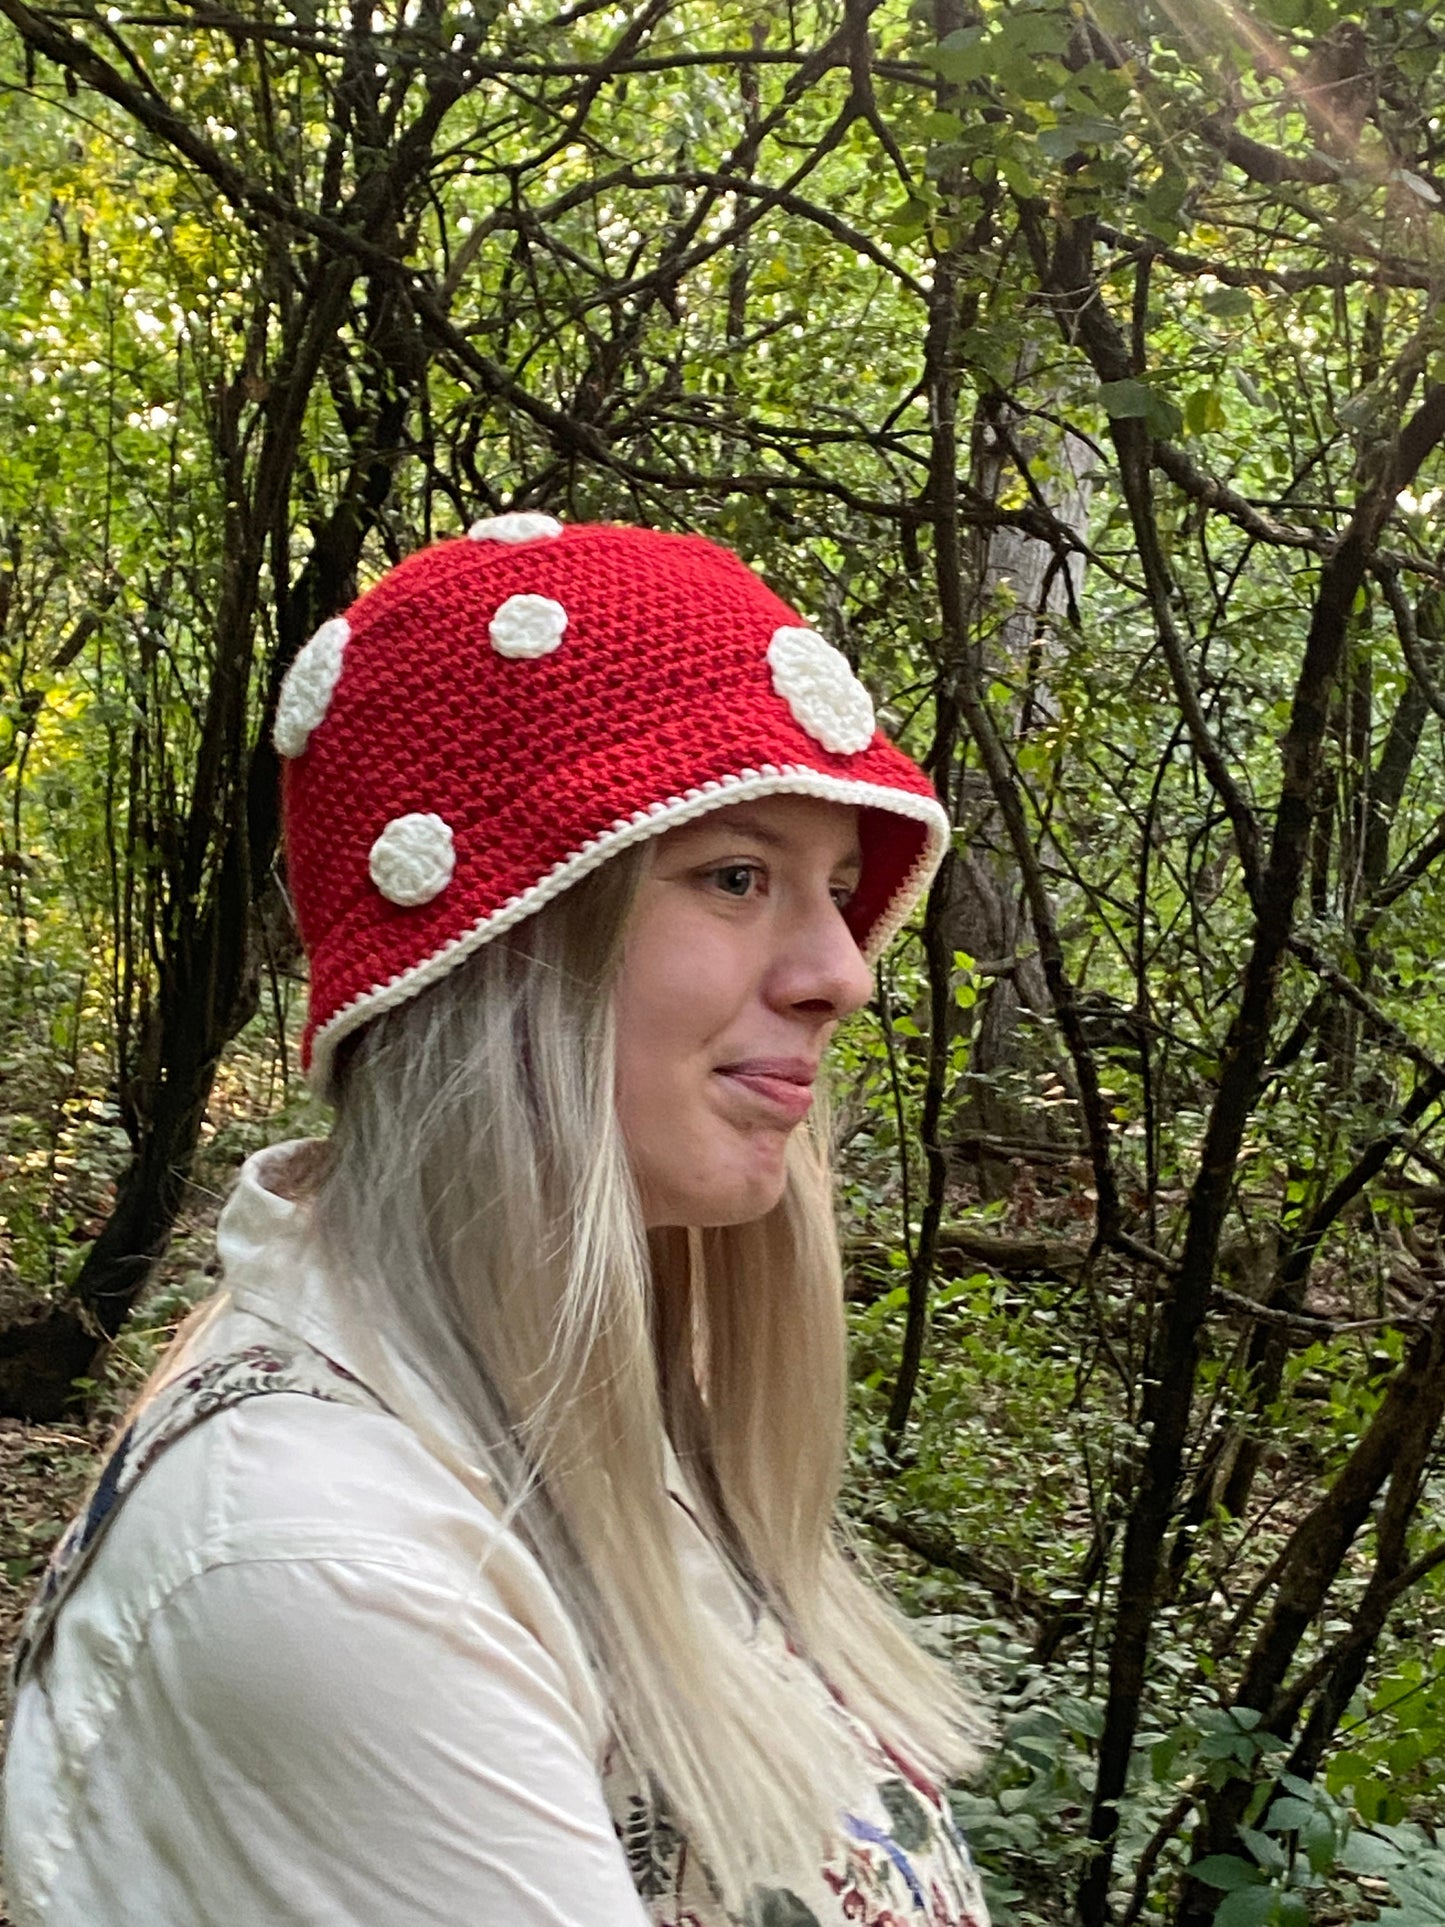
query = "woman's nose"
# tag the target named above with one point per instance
(822, 969)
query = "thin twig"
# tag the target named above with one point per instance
(1307, 1322)
(1405, 628)
(1166, 1830)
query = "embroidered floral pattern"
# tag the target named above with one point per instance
(780, 1907)
(902, 1864)
(653, 1846)
(900, 1860)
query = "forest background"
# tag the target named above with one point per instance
(1079, 370)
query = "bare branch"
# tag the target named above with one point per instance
(1268, 165)
(1214, 494)
(1405, 628)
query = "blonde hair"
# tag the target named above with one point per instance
(478, 1198)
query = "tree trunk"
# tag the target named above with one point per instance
(1021, 589)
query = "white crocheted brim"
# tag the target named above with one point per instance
(770, 780)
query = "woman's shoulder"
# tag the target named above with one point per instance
(280, 1467)
(267, 1465)
(276, 1454)
(295, 1599)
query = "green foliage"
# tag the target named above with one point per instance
(1392, 1755)
(1411, 1863)
(1022, 1822)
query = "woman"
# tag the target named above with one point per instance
(483, 1565)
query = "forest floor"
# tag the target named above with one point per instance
(44, 1470)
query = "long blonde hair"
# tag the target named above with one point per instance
(479, 1202)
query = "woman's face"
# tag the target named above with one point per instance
(736, 970)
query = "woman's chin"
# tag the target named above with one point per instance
(715, 1205)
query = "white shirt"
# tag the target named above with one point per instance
(309, 1678)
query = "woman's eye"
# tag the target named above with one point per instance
(735, 879)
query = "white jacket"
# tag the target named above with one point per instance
(308, 1678)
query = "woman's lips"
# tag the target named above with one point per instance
(783, 1085)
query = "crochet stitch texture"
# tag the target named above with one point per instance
(500, 714)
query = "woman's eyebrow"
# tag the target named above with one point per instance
(746, 824)
(739, 820)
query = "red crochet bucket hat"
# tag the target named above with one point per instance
(500, 714)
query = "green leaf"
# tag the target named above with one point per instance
(1082, 1716)
(1288, 1816)
(961, 57)
(1162, 418)
(1320, 1843)
(1162, 209)
(1125, 400)
(1078, 132)
(1291, 1782)
(1204, 411)
(1269, 1853)
(1227, 1872)
(1137, 401)
(1421, 1888)
(1016, 177)
(1246, 1907)
(908, 220)
(1369, 1853)
(1034, 33)
(1227, 303)
(1360, 413)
